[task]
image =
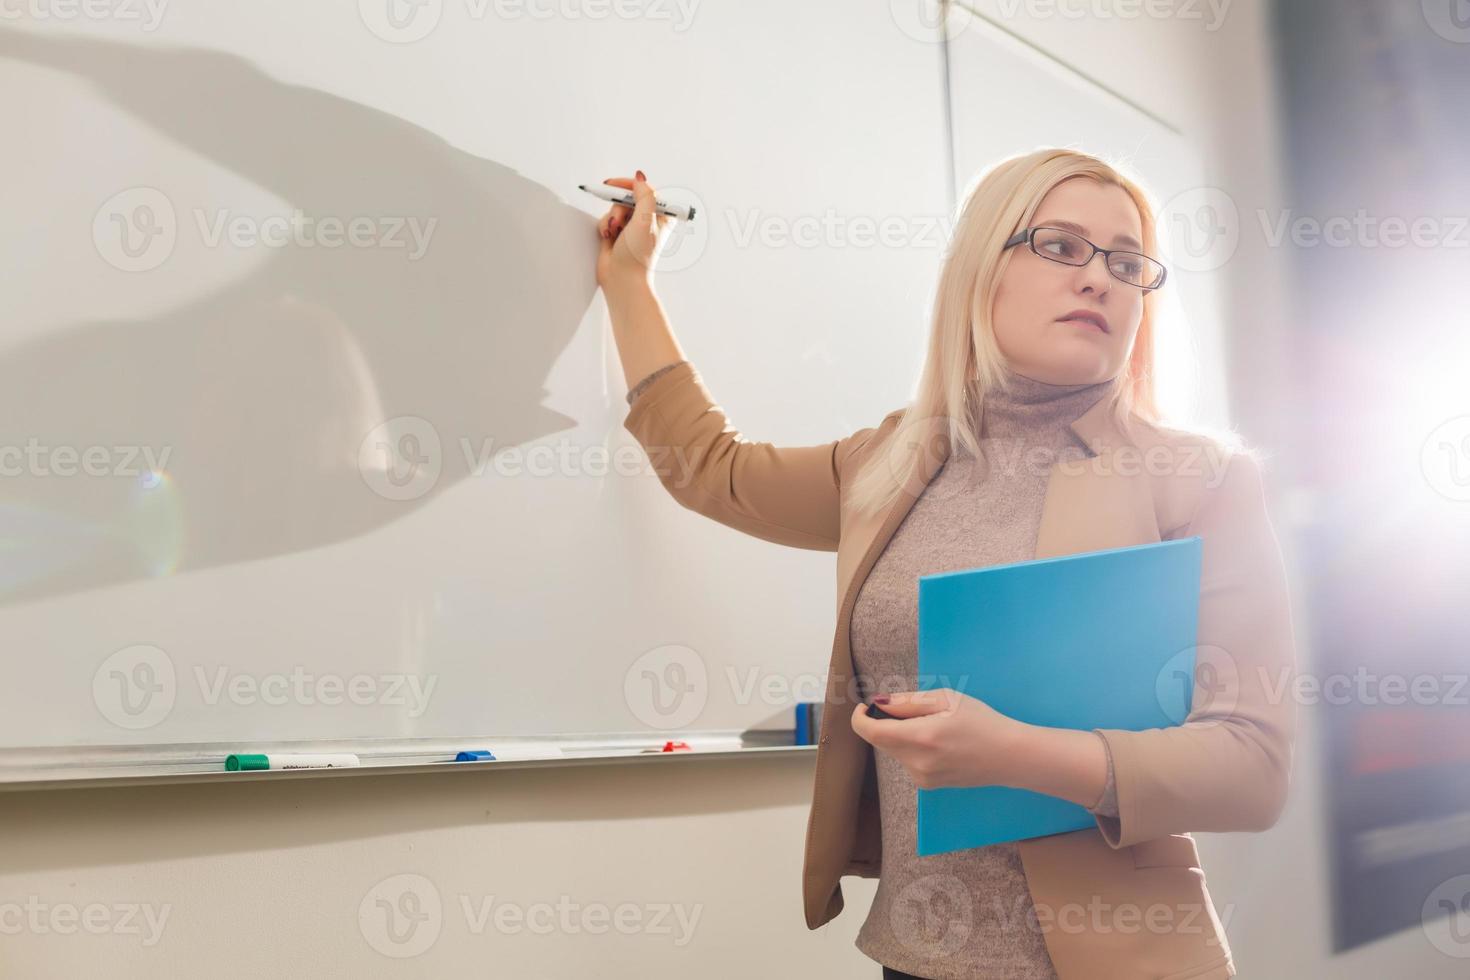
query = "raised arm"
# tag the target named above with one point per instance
(789, 495)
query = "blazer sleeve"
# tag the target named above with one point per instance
(789, 495)
(1228, 766)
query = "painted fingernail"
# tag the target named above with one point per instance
(641, 177)
(881, 699)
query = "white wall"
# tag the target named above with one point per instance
(267, 879)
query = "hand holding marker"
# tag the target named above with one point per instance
(623, 196)
(631, 237)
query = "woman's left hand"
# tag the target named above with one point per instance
(945, 738)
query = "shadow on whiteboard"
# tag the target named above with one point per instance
(323, 390)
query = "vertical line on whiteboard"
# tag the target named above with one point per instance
(605, 322)
(949, 162)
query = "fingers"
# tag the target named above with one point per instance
(913, 704)
(619, 215)
(884, 733)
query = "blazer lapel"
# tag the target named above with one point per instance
(1105, 501)
(1090, 504)
(878, 530)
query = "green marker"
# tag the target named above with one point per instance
(291, 760)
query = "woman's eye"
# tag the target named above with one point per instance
(1060, 247)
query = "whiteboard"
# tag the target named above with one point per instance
(1010, 97)
(342, 531)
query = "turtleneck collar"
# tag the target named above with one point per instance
(1032, 408)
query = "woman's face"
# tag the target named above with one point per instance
(1036, 294)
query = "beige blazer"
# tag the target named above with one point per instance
(1125, 899)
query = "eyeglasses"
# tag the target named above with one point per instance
(1134, 268)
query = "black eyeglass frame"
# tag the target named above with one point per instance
(1028, 236)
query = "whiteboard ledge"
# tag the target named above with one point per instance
(52, 769)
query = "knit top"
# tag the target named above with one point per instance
(966, 913)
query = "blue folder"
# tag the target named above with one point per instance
(1101, 639)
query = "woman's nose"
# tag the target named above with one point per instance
(1095, 272)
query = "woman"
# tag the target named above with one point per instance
(1041, 349)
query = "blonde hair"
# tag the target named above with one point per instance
(963, 353)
